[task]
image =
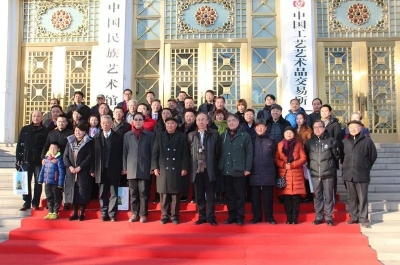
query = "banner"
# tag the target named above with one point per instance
(108, 74)
(298, 54)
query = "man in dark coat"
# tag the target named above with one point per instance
(235, 163)
(51, 123)
(100, 100)
(265, 113)
(208, 106)
(120, 125)
(263, 174)
(29, 148)
(316, 115)
(138, 146)
(359, 157)
(276, 124)
(322, 153)
(170, 162)
(58, 135)
(78, 104)
(107, 167)
(204, 150)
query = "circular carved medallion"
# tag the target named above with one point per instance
(205, 16)
(358, 14)
(61, 19)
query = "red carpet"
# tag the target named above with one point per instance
(61, 241)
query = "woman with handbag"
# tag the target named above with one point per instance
(289, 159)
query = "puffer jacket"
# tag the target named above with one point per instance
(53, 171)
(263, 172)
(291, 117)
(322, 155)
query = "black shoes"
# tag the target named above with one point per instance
(240, 223)
(254, 221)
(230, 221)
(200, 221)
(74, 217)
(163, 221)
(23, 208)
(352, 221)
(272, 222)
(213, 222)
(113, 219)
(175, 221)
(134, 218)
(81, 217)
(329, 222)
(104, 218)
(318, 222)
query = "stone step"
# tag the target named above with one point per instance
(391, 253)
(9, 221)
(13, 145)
(386, 166)
(384, 173)
(387, 145)
(14, 211)
(384, 216)
(387, 160)
(7, 165)
(10, 159)
(383, 239)
(391, 206)
(4, 232)
(382, 227)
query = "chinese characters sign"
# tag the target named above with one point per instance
(111, 49)
(298, 53)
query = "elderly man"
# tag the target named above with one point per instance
(132, 107)
(170, 162)
(276, 124)
(235, 164)
(359, 157)
(204, 150)
(322, 152)
(28, 156)
(107, 167)
(138, 146)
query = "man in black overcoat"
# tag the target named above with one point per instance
(107, 167)
(170, 162)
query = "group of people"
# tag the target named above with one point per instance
(229, 158)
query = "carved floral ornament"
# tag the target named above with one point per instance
(60, 19)
(205, 16)
(358, 14)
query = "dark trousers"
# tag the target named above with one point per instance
(235, 197)
(123, 182)
(268, 200)
(357, 200)
(323, 198)
(37, 190)
(156, 194)
(53, 196)
(204, 187)
(139, 196)
(167, 199)
(108, 205)
(292, 207)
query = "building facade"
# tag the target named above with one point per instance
(239, 49)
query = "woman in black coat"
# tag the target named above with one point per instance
(263, 174)
(77, 160)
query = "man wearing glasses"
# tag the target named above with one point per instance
(138, 146)
(322, 153)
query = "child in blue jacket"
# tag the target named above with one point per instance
(53, 175)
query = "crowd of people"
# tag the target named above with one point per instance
(86, 153)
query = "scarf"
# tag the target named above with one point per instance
(137, 132)
(221, 125)
(288, 148)
(233, 132)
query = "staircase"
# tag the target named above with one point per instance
(10, 216)
(384, 204)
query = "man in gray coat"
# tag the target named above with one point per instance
(136, 160)
(204, 146)
(170, 162)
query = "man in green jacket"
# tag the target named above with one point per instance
(235, 163)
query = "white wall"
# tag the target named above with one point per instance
(9, 20)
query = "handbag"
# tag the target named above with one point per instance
(20, 182)
(281, 182)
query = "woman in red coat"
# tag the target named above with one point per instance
(290, 158)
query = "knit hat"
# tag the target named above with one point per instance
(289, 128)
(276, 106)
(259, 121)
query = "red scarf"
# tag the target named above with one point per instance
(137, 132)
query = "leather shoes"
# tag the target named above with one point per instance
(240, 223)
(134, 218)
(164, 221)
(23, 208)
(35, 207)
(81, 217)
(200, 221)
(317, 222)
(352, 221)
(229, 221)
(73, 217)
(175, 221)
(254, 221)
(329, 222)
(104, 218)
(143, 219)
(213, 222)
(272, 222)
(113, 219)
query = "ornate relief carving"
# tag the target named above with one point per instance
(226, 27)
(64, 23)
(358, 14)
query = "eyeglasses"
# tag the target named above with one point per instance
(138, 119)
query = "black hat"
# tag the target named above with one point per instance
(355, 122)
(259, 121)
(172, 99)
(276, 106)
(290, 128)
(171, 119)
